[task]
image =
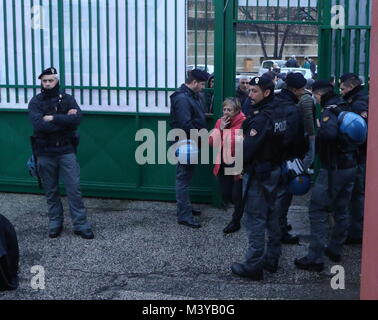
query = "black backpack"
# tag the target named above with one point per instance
(9, 256)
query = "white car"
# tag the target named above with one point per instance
(266, 65)
(306, 72)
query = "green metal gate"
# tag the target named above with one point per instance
(121, 59)
(346, 48)
(281, 15)
(343, 44)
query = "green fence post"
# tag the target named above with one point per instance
(229, 62)
(325, 39)
(225, 53)
(218, 55)
(224, 63)
(219, 72)
(62, 72)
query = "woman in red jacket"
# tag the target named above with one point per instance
(223, 138)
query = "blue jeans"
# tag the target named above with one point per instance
(65, 167)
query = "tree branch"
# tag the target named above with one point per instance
(249, 17)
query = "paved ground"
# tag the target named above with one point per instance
(140, 252)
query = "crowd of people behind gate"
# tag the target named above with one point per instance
(278, 137)
(281, 132)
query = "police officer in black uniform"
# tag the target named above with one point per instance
(334, 184)
(356, 100)
(55, 117)
(264, 133)
(295, 145)
(187, 112)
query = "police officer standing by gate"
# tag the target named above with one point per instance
(55, 117)
(334, 183)
(295, 145)
(187, 112)
(357, 101)
(264, 133)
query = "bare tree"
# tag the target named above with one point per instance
(284, 30)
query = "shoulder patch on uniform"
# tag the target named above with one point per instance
(364, 114)
(253, 132)
(325, 119)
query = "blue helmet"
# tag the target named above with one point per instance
(300, 185)
(353, 126)
(31, 164)
(187, 152)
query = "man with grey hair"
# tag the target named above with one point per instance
(55, 117)
(243, 89)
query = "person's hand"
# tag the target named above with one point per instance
(225, 122)
(72, 111)
(48, 118)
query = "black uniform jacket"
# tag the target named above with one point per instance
(58, 136)
(264, 133)
(335, 152)
(187, 111)
(358, 101)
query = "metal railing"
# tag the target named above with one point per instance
(112, 55)
(347, 48)
(278, 11)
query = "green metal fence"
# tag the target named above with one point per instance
(342, 48)
(111, 55)
(121, 60)
(346, 48)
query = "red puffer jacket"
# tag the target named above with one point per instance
(220, 139)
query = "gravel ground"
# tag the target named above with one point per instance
(140, 252)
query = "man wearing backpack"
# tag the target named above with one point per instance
(263, 144)
(296, 146)
(357, 101)
(334, 184)
(55, 117)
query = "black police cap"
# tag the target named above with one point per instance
(321, 84)
(199, 75)
(265, 82)
(47, 72)
(348, 76)
(295, 80)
